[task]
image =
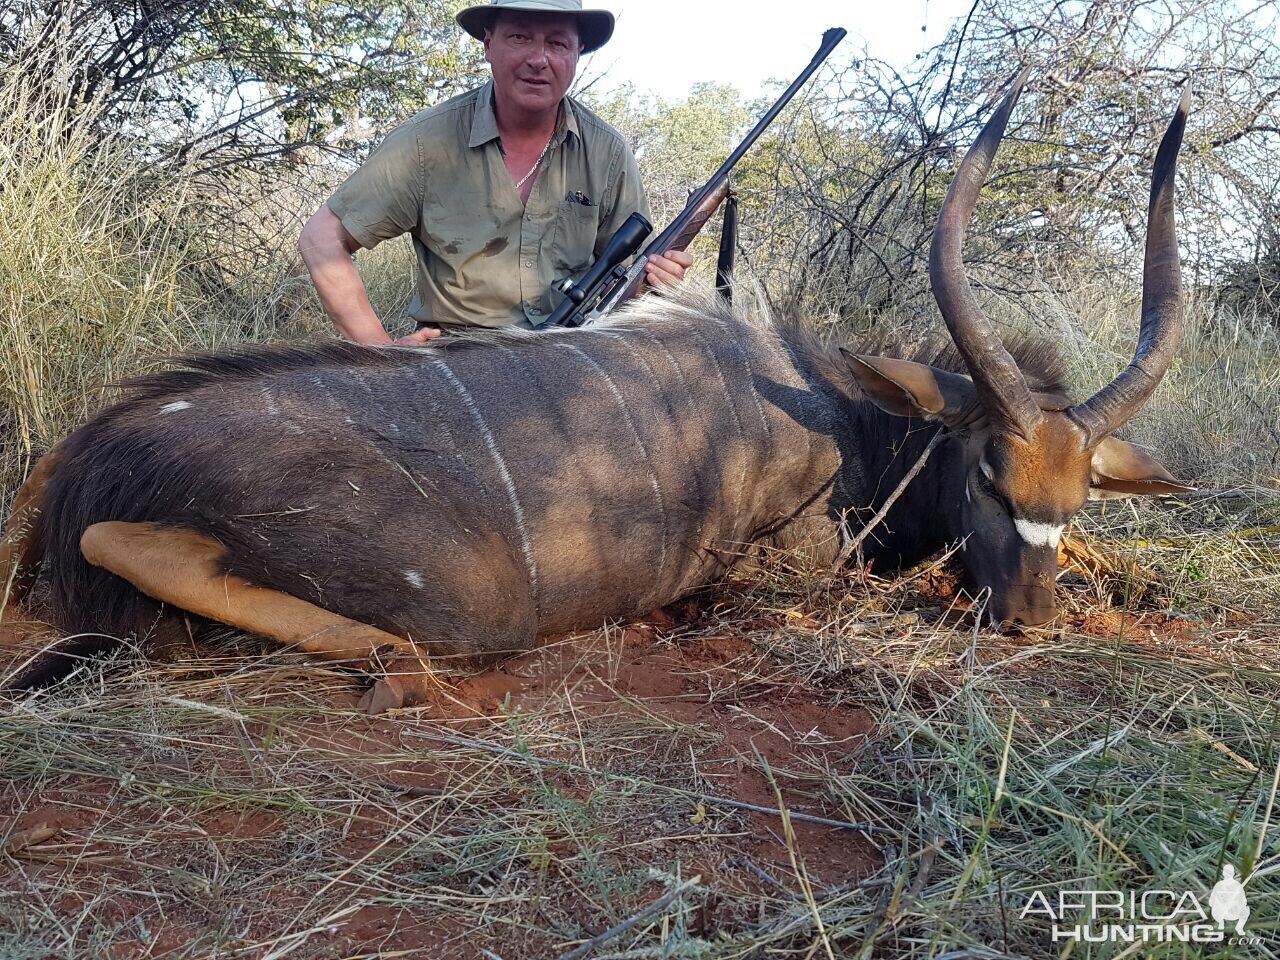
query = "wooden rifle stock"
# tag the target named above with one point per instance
(705, 211)
(706, 208)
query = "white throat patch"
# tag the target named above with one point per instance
(1039, 534)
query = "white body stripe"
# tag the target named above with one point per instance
(1039, 534)
(737, 422)
(751, 373)
(272, 407)
(658, 345)
(644, 453)
(175, 406)
(487, 435)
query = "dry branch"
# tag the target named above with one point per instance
(658, 905)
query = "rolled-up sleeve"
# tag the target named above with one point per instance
(384, 197)
(623, 197)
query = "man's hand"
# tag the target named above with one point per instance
(418, 337)
(666, 270)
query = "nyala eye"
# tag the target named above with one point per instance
(985, 475)
(988, 487)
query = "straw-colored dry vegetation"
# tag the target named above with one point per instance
(234, 803)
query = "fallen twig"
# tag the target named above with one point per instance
(856, 543)
(660, 904)
(1234, 493)
(805, 817)
(747, 864)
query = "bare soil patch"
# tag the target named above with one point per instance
(686, 723)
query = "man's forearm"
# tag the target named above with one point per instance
(344, 297)
(342, 292)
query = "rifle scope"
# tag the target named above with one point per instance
(622, 245)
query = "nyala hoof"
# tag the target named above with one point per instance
(380, 698)
(397, 689)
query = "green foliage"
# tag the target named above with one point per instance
(327, 65)
(244, 79)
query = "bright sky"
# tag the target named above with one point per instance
(666, 46)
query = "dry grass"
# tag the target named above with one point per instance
(238, 806)
(107, 265)
(1213, 418)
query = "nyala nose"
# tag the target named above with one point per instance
(1030, 612)
(1034, 619)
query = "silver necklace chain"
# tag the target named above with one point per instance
(536, 164)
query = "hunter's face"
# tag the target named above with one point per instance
(534, 57)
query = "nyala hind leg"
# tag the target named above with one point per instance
(182, 568)
(21, 549)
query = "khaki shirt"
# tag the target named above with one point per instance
(483, 258)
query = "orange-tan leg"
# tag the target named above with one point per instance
(19, 553)
(181, 567)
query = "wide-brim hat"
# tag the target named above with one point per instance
(595, 27)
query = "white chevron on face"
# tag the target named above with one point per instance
(1039, 534)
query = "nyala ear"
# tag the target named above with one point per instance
(1120, 469)
(908, 389)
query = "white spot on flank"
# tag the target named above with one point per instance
(414, 579)
(175, 406)
(1039, 534)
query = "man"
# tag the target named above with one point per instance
(505, 189)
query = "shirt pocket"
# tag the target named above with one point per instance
(573, 238)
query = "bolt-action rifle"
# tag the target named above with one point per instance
(609, 281)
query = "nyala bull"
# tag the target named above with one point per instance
(398, 509)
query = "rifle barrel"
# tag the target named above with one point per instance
(606, 292)
(830, 39)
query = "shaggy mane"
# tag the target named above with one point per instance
(1039, 359)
